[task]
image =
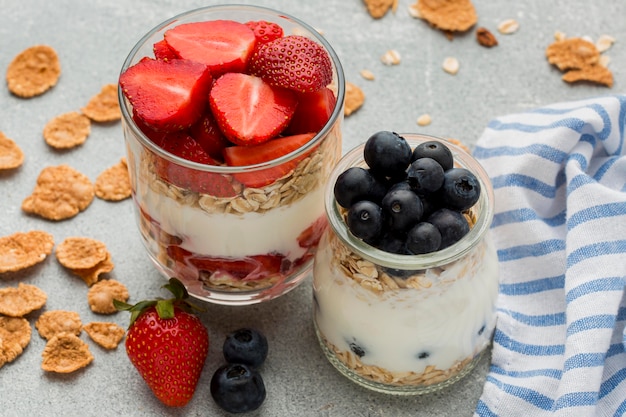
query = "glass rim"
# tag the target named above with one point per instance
(485, 210)
(222, 169)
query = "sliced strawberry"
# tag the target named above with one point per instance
(208, 134)
(293, 62)
(248, 268)
(163, 51)
(265, 31)
(311, 235)
(265, 152)
(248, 110)
(167, 95)
(184, 146)
(313, 111)
(223, 45)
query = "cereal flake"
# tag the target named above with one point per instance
(572, 53)
(67, 130)
(65, 353)
(113, 184)
(21, 300)
(33, 71)
(104, 106)
(11, 155)
(61, 192)
(594, 73)
(22, 250)
(107, 335)
(54, 322)
(91, 275)
(355, 97)
(379, 8)
(102, 294)
(15, 335)
(448, 15)
(81, 252)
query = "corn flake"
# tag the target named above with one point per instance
(67, 130)
(104, 106)
(113, 184)
(107, 335)
(61, 192)
(81, 252)
(572, 53)
(11, 155)
(65, 353)
(91, 275)
(594, 73)
(21, 300)
(15, 335)
(102, 294)
(33, 71)
(22, 250)
(355, 97)
(379, 8)
(447, 15)
(54, 322)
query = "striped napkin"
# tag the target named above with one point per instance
(559, 175)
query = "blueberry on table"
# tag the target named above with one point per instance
(425, 176)
(237, 388)
(246, 346)
(435, 150)
(356, 184)
(451, 224)
(402, 209)
(387, 154)
(423, 238)
(365, 220)
(460, 189)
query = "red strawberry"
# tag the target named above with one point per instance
(167, 95)
(293, 62)
(265, 31)
(248, 110)
(167, 344)
(265, 152)
(208, 134)
(163, 51)
(311, 235)
(313, 111)
(223, 45)
(184, 146)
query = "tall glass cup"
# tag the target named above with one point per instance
(258, 242)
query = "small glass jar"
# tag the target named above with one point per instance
(257, 242)
(406, 324)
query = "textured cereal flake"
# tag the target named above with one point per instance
(81, 252)
(104, 106)
(448, 15)
(33, 71)
(107, 335)
(22, 250)
(379, 8)
(91, 275)
(61, 192)
(113, 184)
(102, 294)
(15, 335)
(21, 300)
(67, 130)
(355, 97)
(11, 155)
(54, 322)
(65, 353)
(598, 74)
(572, 53)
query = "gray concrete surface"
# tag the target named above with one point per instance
(94, 37)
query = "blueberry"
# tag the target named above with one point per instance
(435, 150)
(365, 220)
(387, 154)
(451, 224)
(392, 243)
(460, 189)
(430, 205)
(400, 185)
(423, 238)
(246, 346)
(402, 209)
(237, 388)
(356, 184)
(425, 176)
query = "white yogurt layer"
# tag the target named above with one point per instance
(236, 235)
(409, 329)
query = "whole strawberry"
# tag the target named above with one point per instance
(167, 344)
(294, 62)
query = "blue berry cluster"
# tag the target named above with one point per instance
(237, 386)
(407, 201)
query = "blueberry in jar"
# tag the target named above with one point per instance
(387, 154)
(435, 150)
(423, 238)
(365, 220)
(451, 224)
(247, 346)
(237, 388)
(425, 176)
(356, 184)
(402, 209)
(460, 189)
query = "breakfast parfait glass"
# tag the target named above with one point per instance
(242, 228)
(406, 324)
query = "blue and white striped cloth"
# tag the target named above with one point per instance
(559, 175)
